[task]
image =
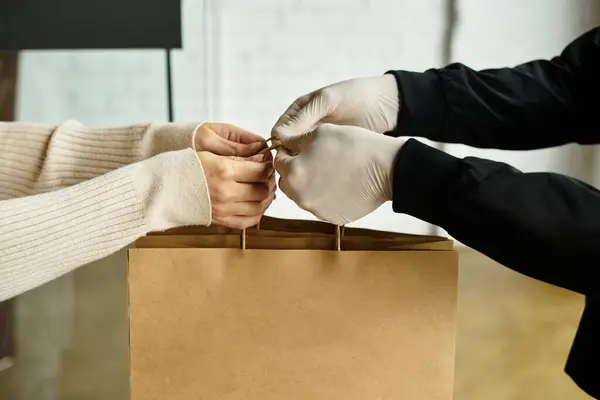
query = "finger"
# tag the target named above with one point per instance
(261, 158)
(250, 213)
(292, 110)
(225, 147)
(242, 170)
(236, 134)
(296, 144)
(242, 209)
(237, 222)
(274, 145)
(236, 192)
(284, 161)
(256, 158)
(252, 208)
(304, 119)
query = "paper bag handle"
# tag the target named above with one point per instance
(339, 230)
(339, 233)
(275, 144)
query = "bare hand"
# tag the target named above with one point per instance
(227, 140)
(240, 189)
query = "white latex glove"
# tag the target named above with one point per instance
(338, 173)
(370, 103)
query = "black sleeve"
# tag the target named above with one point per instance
(543, 225)
(583, 365)
(539, 104)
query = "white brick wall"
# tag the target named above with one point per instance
(267, 53)
(245, 61)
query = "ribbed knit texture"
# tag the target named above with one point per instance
(70, 194)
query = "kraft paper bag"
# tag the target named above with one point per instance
(304, 311)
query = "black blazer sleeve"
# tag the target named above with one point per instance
(543, 225)
(539, 104)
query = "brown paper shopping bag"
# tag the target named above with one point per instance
(305, 311)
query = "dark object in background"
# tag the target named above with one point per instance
(77, 24)
(89, 24)
(8, 88)
(92, 24)
(7, 344)
(8, 85)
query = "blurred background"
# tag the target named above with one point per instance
(244, 62)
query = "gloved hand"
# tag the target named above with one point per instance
(370, 103)
(338, 173)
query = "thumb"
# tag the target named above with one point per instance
(283, 161)
(247, 171)
(295, 144)
(302, 116)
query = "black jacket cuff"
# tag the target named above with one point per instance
(583, 365)
(421, 176)
(422, 103)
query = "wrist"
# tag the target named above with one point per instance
(423, 105)
(388, 153)
(391, 99)
(423, 177)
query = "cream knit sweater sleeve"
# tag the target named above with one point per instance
(70, 194)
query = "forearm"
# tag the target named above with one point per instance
(534, 105)
(540, 224)
(40, 158)
(45, 236)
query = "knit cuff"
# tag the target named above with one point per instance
(161, 138)
(173, 190)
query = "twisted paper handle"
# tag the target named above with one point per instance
(274, 145)
(339, 233)
(339, 229)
